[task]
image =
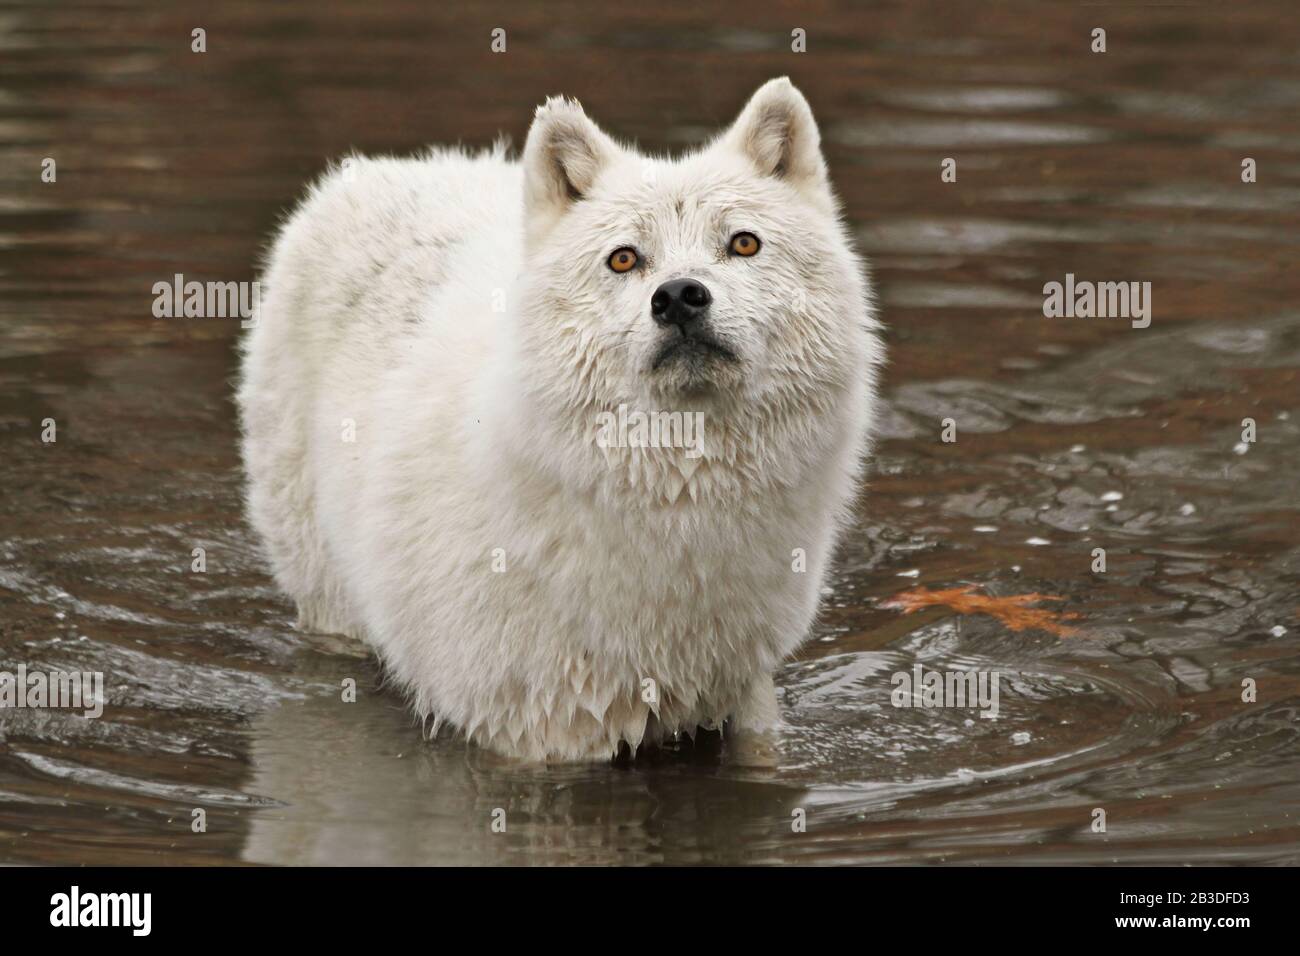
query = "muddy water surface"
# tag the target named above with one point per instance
(1072, 434)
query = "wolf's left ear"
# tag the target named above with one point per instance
(777, 133)
(564, 154)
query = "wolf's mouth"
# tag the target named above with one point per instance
(692, 347)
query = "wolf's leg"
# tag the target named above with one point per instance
(756, 724)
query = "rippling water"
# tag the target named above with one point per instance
(1073, 434)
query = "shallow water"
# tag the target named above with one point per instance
(1073, 434)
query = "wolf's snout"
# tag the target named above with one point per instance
(682, 302)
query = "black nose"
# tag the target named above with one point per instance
(679, 302)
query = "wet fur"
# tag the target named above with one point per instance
(459, 310)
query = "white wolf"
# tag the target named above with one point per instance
(440, 344)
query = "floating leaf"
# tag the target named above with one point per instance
(1013, 610)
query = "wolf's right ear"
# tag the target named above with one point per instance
(564, 154)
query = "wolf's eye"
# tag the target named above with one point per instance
(744, 244)
(622, 260)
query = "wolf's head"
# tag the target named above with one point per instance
(722, 279)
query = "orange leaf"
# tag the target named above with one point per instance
(1013, 610)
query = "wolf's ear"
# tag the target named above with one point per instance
(564, 154)
(777, 133)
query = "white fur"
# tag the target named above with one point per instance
(460, 310)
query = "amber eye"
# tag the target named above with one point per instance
(744, 244)
(622, 260)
